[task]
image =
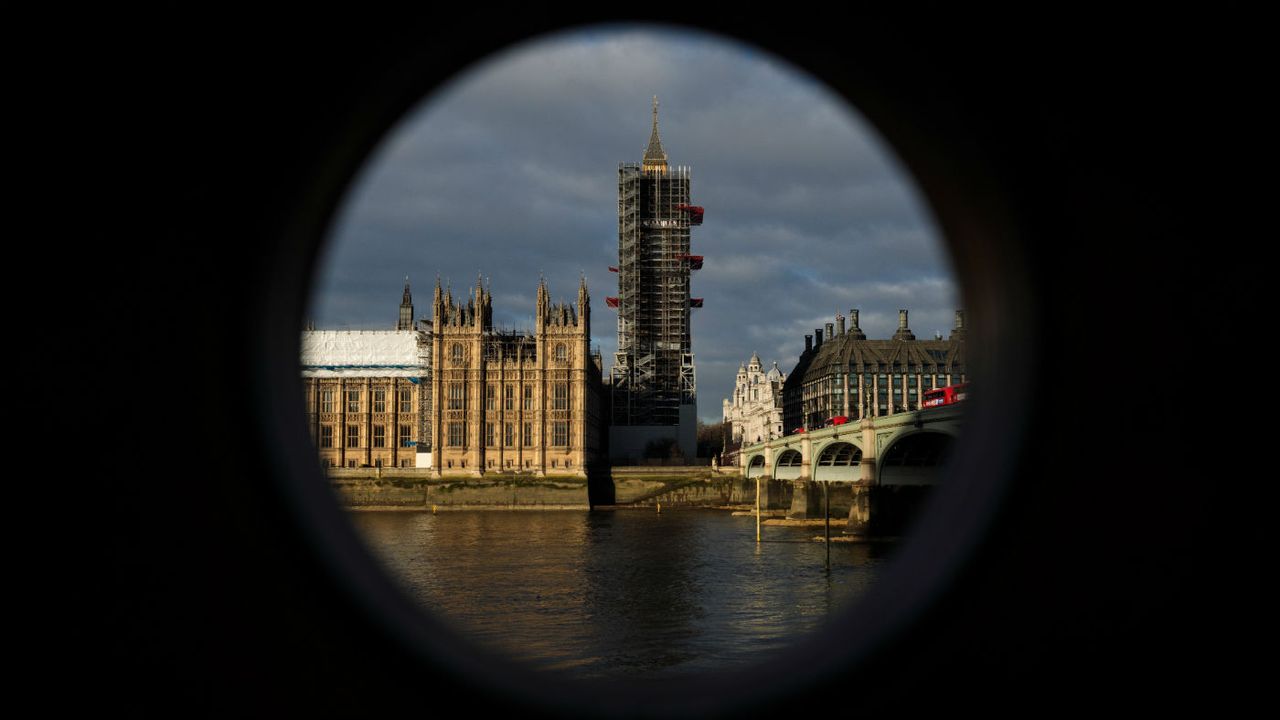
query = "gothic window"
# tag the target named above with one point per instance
(353, 401)
(560, 433)
(490, 398)
(528, 434)
(455, 396)
(528, 397)
(509, 435)
(455, 352)
(406, 400)
(456, 434)
(406, 435)
(379, 436)
(326, 436)
(560, 352)
(379, 401)
(353, 436)
(326, 401)
(560, 400)
(490, 439)
(509, 397)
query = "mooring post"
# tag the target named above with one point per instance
(826, 504)
(757, 508)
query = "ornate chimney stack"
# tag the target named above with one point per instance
(904, 332)
(854, 330)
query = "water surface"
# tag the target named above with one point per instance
(620, 593)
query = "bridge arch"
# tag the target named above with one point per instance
(755, 466)
(838, 461)
(788, 465)
(914, 458)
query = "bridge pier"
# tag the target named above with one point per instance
(861, 509)
(806, 496)
(774, 494)
(806, 500)
(862, 506)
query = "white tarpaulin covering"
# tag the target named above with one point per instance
(367, 353)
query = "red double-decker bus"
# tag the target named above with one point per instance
(948, 395)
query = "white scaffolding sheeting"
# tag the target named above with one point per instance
(369, 353)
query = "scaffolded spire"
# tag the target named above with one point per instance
(655, 158)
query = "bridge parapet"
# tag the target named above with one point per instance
(886, 427)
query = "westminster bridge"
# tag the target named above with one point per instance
(881, 467)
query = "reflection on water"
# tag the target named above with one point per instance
(627, 593)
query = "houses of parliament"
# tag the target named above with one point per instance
(457, 395)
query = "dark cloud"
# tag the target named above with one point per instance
(511, 171)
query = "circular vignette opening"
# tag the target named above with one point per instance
(980, 234)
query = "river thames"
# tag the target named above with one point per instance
(621, 593)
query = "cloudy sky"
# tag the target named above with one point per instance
(511, 171)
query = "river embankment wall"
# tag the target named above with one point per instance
(617, 487)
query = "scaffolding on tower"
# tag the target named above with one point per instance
(653, 372)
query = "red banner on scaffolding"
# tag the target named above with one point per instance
(695, 213)
(611, 302)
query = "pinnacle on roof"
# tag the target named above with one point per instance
(655, 158)
(755, 359)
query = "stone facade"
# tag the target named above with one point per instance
(457, 396)
(366, 396)
(755, 410)
(851, 376)
(527, 402)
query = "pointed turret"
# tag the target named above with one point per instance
(406, 308)
(655, 158)
(543, 304)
